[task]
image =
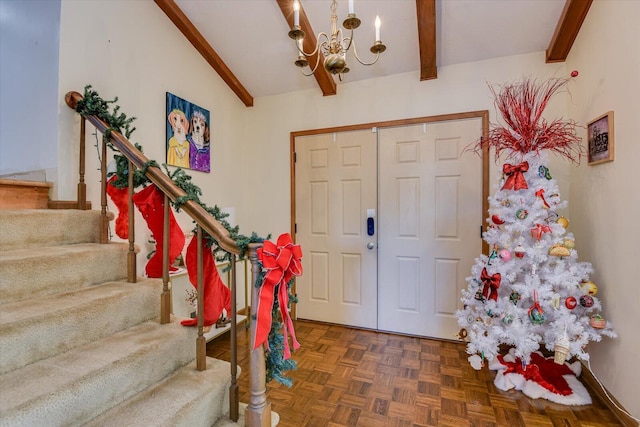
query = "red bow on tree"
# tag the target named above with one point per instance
(491, 283)
(281, 261)
(515, 178)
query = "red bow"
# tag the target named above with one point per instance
(539, 230)
(281, 261)
(491, 283)
(540, 193)
(515, 178)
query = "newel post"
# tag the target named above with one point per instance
(258, 411)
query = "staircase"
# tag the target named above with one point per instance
(79, 345)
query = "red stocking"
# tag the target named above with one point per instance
(150, 203)
(120, 198)
(216, 295)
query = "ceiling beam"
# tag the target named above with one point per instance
(426, 11)
(324, 79)
(567, 29)
(180, 20)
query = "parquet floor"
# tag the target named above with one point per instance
(351, 377)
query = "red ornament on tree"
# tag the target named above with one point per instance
(574, 73)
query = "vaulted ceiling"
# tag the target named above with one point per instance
(247, 43)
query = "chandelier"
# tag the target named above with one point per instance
(333, 47)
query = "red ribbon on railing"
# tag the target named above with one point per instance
(540, 193)
(281, 261)
(539, 230)
(515, 178)
(491, 284)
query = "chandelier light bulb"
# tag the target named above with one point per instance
(296, 13)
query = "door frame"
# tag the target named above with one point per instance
(482, 114)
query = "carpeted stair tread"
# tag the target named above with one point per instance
(27, 228)
(76, 386)
(35, 272)
(39, 328)
(187, 398)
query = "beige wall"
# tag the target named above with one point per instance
(457, 89)
(605, 198)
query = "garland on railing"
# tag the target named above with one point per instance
(93, 105)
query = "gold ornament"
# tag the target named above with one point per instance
(589, 288)
(563, 221)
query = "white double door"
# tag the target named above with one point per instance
(389, 223)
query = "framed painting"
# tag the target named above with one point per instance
(600, 137)
(188, 143)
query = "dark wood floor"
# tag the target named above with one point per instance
(350, 377)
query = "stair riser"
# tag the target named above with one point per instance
(42, 227)
(89, 396)
(59, 270)
(25, 342)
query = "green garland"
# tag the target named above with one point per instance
(94, 105)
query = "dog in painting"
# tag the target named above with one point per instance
(178, 151)
(199, 142)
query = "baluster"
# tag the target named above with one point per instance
(201, 343)
(258, 412)
(104, 220)
(234, 394)
(131, 255)
(165, 298)
(82, 186)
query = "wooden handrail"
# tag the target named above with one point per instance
(161, 180)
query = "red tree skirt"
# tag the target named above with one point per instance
(541, 378)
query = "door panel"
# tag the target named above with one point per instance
(335, 185)
(429, 216)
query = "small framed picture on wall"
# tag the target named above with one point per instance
(600, 137)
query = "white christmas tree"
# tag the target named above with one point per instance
(531, 291)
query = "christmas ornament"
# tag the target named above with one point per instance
(504, 255)
(519, 251)
(493, 255)
(491, 284)
(555, 302)
(551, 217)
(543, 172)
(515, 176)
(497, 220)
(514, 297)
(586, 301)
(570, 303)
(540, 195)
(507, 319)
(563, 221)
(522, 213)
(479, 296)
(536, 314)
(597, 322)
(462, 334)
(559, 250)
(589, 288)
(569, 243)
(561, 349)
(539, 230)
(574, 73)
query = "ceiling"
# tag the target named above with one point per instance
(253, 53)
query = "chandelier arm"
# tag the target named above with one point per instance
(350, 40)
(318, 45)
(355, 53)
(314, 68)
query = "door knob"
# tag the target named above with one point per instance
(370, 245)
